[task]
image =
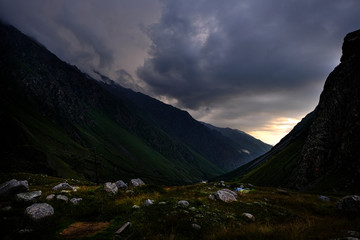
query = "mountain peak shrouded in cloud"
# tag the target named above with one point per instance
(240, 64)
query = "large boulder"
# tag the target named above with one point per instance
(9, 189)
(121, 184)
(225, 195)
(39, 210)
(111, 188)
(136, 182)
(349, 204)
(28, 196)
(63, 186)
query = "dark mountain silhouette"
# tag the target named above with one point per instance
(322, 151)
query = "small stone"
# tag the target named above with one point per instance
(76, 201)
(136, 182)
(111, 188)
(193, 209)
(136, 206)
(26, 230)
(183, 203)
(162, 203)
(62, 197)
(28, 197)
(324, 198)
(50, 197)
(123, 227)
(121, 184)
(196, 226)
(349, 204)
(212, 197)
(249, 216)
(148, 202)
(63, 186)
(39, 210)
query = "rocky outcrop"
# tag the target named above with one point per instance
(333, 143)
(39, 210)
(9, 189)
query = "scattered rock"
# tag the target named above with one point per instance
(76, 201)
(121, 184)
(162, 203)
(7, 208)
(196, 226)
(136, 182)
(212, 197)
(353, 234)
(183, 203)
(193, 209)
(9, 189)
(62, 197)
(136, 206)
(50, 197)
(39, 210)
(129, 191)
(63, 186)
(111, 188)
(28, 196)
(350, 204)
(282, 191)
(148, 202)
(123, 227)
(324, 198)
(225, 195)
(249, 216)
(25, 230)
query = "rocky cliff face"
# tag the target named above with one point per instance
(331, 149)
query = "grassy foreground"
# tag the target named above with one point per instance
(278, 214)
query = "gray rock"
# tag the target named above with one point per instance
(324, 198)
(212, 197)
(353, 234)
(111, 188)
(136, 206)
(225, 195)
(63, 186)
(196, 226)
(148, 202)
(183, 203)
(62, 197)
(50, 197)
(229, 191)
(28, 197)
(249, 216)
(162, 203)
(39, 210)
(9, 189)
(136, 182)
(350, 204)
(123, 227)
(121, 184)
(25, 230)
(76, 201)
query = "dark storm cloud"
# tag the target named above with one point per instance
(102, 35)
(206, 52)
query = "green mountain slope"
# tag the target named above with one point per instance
(58, 120)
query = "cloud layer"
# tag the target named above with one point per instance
(255, 65)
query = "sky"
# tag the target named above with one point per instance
(254, 65)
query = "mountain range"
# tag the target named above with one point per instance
(58, 120)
